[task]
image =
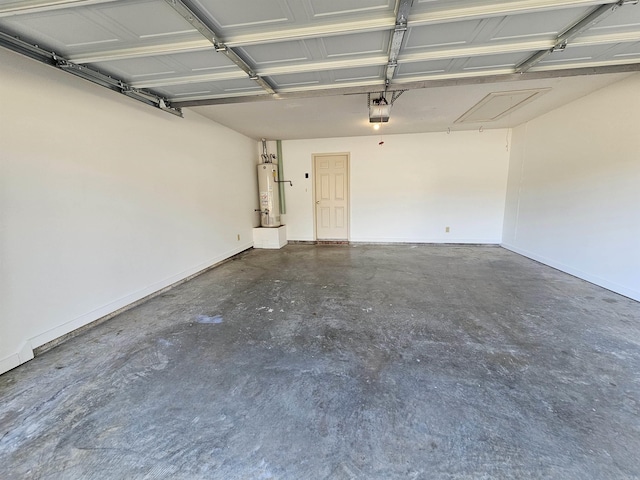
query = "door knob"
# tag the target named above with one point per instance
(317, 202)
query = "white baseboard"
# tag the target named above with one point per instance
(601, 282)
(439, 240)
(25, 353)
(21, 356)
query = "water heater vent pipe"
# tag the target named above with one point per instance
(266, 158)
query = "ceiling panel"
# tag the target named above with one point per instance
(135, 18)
(487, 8)
(325, 8)
(203, 61)
(240, 86)
(340, 51)
(136, 69)
(246, 13)
(493, 62)
(158, 71)
(431, 36)
(421, 69)
(60, 31)
(538, 24)
(578, 54)
(626, 51)
(356, 44)
(297, 80)
(329, 79)
(262, 55)
(624, 18)
(92, 29)
(249, 17)
(359, 75)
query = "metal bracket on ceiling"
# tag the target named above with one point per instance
(190, 16)
(99, 78)
(395, 45)
(585, 23)
(395, 94)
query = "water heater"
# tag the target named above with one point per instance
(268, 191)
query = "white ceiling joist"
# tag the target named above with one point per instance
(189, 79)
(608, 38)
(632, 63)
(475, 51)
(144, 51)
(370, 61)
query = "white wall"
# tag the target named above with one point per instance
(104, 201)
(573, 199)
(409, 189)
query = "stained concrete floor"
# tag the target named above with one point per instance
(341, 362)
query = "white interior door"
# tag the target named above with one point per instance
(332, 196)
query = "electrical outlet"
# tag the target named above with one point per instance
(238, 237)
(447, 230)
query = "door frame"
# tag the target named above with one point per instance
(314, 158)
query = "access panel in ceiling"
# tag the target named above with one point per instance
(498, 104)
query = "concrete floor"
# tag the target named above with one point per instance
(341, 362)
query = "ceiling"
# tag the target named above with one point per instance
(303, 68)
(416, 111)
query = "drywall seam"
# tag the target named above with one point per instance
(601, 282)
(521, 183)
